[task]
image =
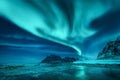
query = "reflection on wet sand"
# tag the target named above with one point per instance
(59, 72)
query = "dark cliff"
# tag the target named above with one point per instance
(111, 50)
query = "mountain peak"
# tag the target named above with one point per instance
(111, 50)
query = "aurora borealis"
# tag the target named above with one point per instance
(84, 25)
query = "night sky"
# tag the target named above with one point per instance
(32, 29)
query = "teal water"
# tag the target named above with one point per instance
(58, 72)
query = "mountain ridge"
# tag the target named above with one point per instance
(111, 50)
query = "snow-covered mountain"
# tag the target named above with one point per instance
(111, 50)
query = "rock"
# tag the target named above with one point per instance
(52, 59)
(69, 59)
(111, 50)
(58, 59)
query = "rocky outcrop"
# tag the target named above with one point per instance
(52, 59)
(69, 59)
(58, 59)
(111, 50)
